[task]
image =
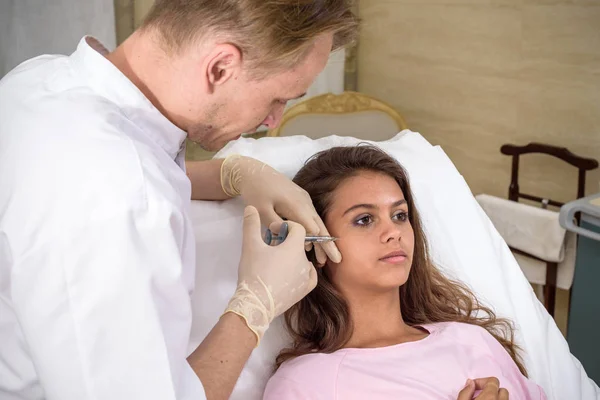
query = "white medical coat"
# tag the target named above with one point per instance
(96, 246)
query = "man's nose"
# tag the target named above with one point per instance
(274, 118)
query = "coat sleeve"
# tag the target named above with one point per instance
(103, 306)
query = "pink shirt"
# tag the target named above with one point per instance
(436, 367)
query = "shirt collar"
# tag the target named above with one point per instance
(111, 83)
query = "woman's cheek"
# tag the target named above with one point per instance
(353, 247)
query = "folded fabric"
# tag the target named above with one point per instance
(533, 230)
(535, 270)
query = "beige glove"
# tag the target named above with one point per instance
(275, 196)
(271, 279)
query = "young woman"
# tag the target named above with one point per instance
(385, 323)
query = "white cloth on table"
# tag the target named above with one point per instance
(535, 231)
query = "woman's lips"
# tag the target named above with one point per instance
(395, 257)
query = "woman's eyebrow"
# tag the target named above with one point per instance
(372, 206)
(399, 203)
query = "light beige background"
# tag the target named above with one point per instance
(472, 75)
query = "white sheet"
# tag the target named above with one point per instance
(462, 239)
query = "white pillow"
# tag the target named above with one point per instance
(462, 239)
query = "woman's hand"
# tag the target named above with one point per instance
(490, 390)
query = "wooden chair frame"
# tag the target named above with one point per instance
(332, 104)
(581, 163)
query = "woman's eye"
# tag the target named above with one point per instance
(402, 216)
(364, 220)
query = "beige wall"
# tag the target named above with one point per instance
(141, 8)
(123, 19)
(472, 75)
(129, 15)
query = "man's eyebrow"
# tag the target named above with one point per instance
(372, 206)
(298, 97)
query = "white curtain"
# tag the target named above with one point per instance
(29, 28)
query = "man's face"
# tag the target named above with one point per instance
(243, 104)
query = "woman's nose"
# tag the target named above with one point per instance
(391, 232)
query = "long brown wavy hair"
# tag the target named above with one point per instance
(321, 321)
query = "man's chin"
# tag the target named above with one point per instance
(215, 146)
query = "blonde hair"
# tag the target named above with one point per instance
(271, 34)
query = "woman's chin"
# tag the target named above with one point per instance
(391, 281)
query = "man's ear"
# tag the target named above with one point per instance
(224, 63)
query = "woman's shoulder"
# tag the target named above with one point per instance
(305, 376)
(460, 331)
(311, 366)
(453, 326)
(465, 335)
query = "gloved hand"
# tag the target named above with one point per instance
(271, 279)
(274, 195)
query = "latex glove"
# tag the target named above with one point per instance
(275, 196)
(271, 279)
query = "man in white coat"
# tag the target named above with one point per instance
(96, 246)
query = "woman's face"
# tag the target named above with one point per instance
(369, 215)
